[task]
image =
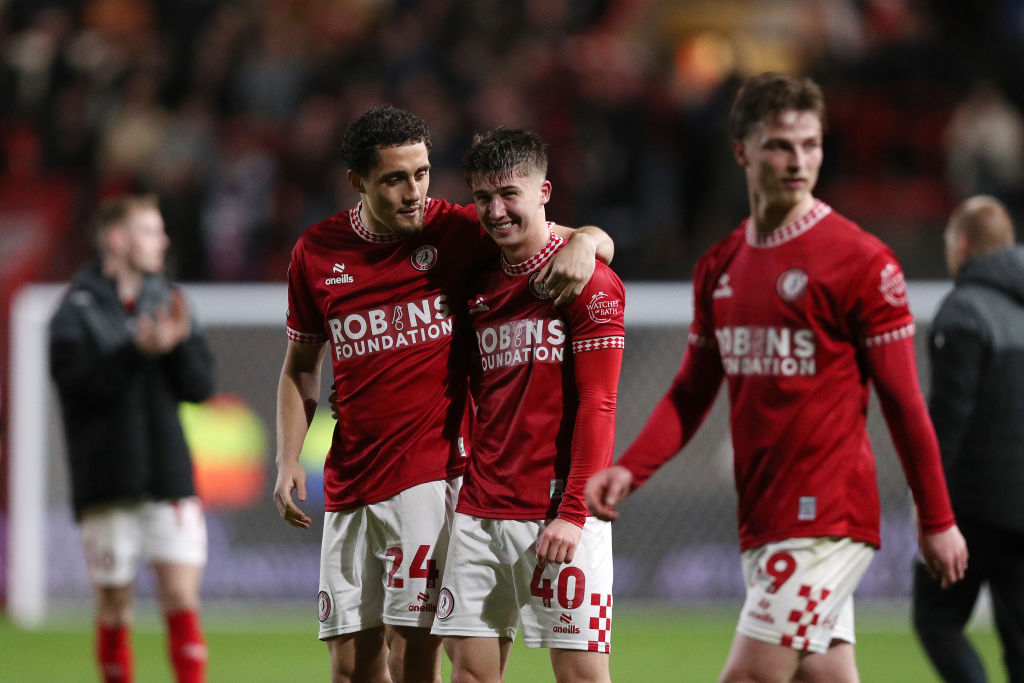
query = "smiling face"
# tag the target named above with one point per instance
(782, 156)
(394, 191)
(511, 209)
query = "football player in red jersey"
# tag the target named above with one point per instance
(798, 309)
(379, 287)
(523, 549)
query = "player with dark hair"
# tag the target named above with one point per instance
(545, 378)
(976, 347)
(124, 353)
(379, 287)
(798, 309)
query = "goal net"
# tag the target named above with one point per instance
(676, 540)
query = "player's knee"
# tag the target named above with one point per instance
(576, 666)
(114, 604)
(359, 657)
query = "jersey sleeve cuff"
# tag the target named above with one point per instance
(312, 338)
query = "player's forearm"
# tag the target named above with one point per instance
(593, 441)
(894, 371)
(677, 416)
(604, 246)
(298, 392)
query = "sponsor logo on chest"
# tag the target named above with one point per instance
(518, 342)
(390, 327)
(766, 350)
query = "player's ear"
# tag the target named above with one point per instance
(545, 192)
(739, 152)
(357, 183)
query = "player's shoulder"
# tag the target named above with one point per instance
(720, 253)
(850, 238)
(441, 214)
(332, 232)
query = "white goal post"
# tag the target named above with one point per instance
(32, 398)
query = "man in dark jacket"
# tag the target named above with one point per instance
(977, 405)
(124, 352)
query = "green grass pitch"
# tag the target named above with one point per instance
(271, 644)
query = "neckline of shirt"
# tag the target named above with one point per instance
(375, 237)
(531, 264)
(788, 232)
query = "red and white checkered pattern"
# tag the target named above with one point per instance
(537, 260)
(601, 624)
(305, 337)
(804, 619)
(598, 344)
(905, 332)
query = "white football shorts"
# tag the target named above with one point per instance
(493, 583)
(115, 538)
(800, 591)
(382, 563)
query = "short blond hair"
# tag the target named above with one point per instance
(112, 212)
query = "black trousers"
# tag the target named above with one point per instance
(996, 559)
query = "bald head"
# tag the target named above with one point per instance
(979, 225)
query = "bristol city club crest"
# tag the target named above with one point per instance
(424, 258)
(538, 288)
(323, 606)
(792, 284)
(445, 603)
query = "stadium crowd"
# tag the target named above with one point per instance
(231, 110)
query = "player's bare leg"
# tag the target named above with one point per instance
(838, 665)
(755, 661)
(414, 656)
(579, 666)
(477, 660)
(359, 657)
(114, 605)
(178, 586)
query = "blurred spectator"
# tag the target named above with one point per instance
(985, 144)
(229, 109)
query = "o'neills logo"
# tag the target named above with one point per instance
(520, 341)
(761, 350)
(391, 327)
(602, 307)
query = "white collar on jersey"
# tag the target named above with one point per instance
(531, 264)
(375, 237)
(789, 231)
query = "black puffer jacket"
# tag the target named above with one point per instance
(120, 406)
(977, 393)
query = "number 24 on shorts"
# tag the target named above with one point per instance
(421, 568)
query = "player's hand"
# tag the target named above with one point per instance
(605, 489)
(332, 399)
(291, 476)
(558, 542)
(945, 555)
(159, 334)
(565, 275)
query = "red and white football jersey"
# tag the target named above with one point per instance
(387, 308)
(789, 314)
(531, 454)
